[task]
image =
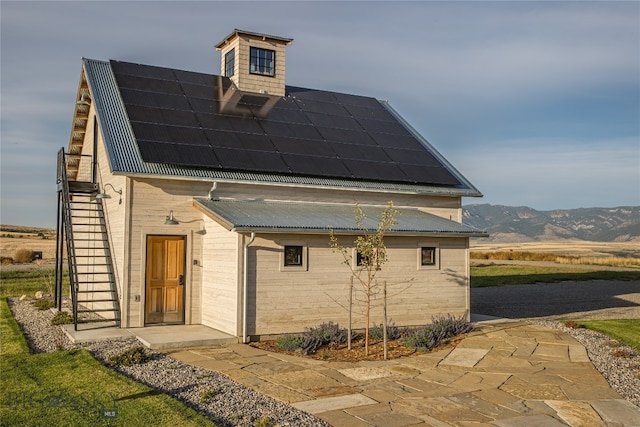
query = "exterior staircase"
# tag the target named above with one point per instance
(82, 226)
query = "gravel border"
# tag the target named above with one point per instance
(229, 404)
(237, 405)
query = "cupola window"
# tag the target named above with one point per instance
(262, 61)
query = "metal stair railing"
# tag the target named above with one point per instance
(66, 232)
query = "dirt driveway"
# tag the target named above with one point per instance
(598, 299)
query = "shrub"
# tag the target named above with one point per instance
(43, 304)
(23, 256)
(62, 318)
(5, 260)
(393, 332)
(435, 333)
(572, 324)
(207, 395)
(264, 421)
(290, 342)
(133, 356)
(621, 352)
(326, 333)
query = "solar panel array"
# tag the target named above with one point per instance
(177, 118)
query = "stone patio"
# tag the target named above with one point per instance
(503, 374)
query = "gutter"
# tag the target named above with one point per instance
(245, 285)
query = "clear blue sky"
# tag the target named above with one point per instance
(537, 103)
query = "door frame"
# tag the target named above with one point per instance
(184, 270)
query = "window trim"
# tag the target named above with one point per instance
(272, 72)
(305, 256)
(436, 255)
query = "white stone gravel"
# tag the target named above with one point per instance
(230, 404)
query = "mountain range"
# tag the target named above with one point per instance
(522, 223)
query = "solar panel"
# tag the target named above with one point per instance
(359, 137)
(310, 94)
(355, 100)
(302, 146)
(375, 170)
(144, 114)
(290, 130)
(136, 97)
(177, 118)
(194, 78)
(315, 165)
(412, 157)
(285, 115)
(202, 105)
(151, 132)
(157, 152)
(313, 106)
(170, 101)
(380, 126)
(331, 121)
(378, 113)
(362, 152)
(198, 91)
(434, 175)
(396, 141)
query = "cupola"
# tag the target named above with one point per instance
(254, 62)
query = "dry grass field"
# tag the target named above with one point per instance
(578, 248)
(14, 238)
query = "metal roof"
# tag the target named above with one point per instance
(125, 157)
(262, 36)
(313, 218)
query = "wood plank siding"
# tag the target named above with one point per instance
(288, 301)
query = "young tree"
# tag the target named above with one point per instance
(371, 256)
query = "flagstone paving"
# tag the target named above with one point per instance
(503, 374)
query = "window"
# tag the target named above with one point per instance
(229, 63)
(427, 256)
(293, 256)
(262, 61)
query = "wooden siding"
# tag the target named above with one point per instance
(288, 301)
(151, 200)
(220, 264)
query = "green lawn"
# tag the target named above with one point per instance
(500, 275)
(16, 283)
(71, 388)
(624, 330)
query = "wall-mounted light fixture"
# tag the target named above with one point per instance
(104, 194)
(84, 100)
(171, 220)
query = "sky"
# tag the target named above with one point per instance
(536, 103)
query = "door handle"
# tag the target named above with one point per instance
(181, 279)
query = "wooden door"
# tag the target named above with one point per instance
(164, 299)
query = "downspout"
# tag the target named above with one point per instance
(245, 286)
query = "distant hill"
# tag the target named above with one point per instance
(522, 224)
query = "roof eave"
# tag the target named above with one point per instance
(270, 230)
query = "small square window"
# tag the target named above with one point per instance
(262, 61)
(360, 259)
(428, 256)
(229, 63)
(293, 256)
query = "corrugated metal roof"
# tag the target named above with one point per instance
(125, 158)
(290, 217)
